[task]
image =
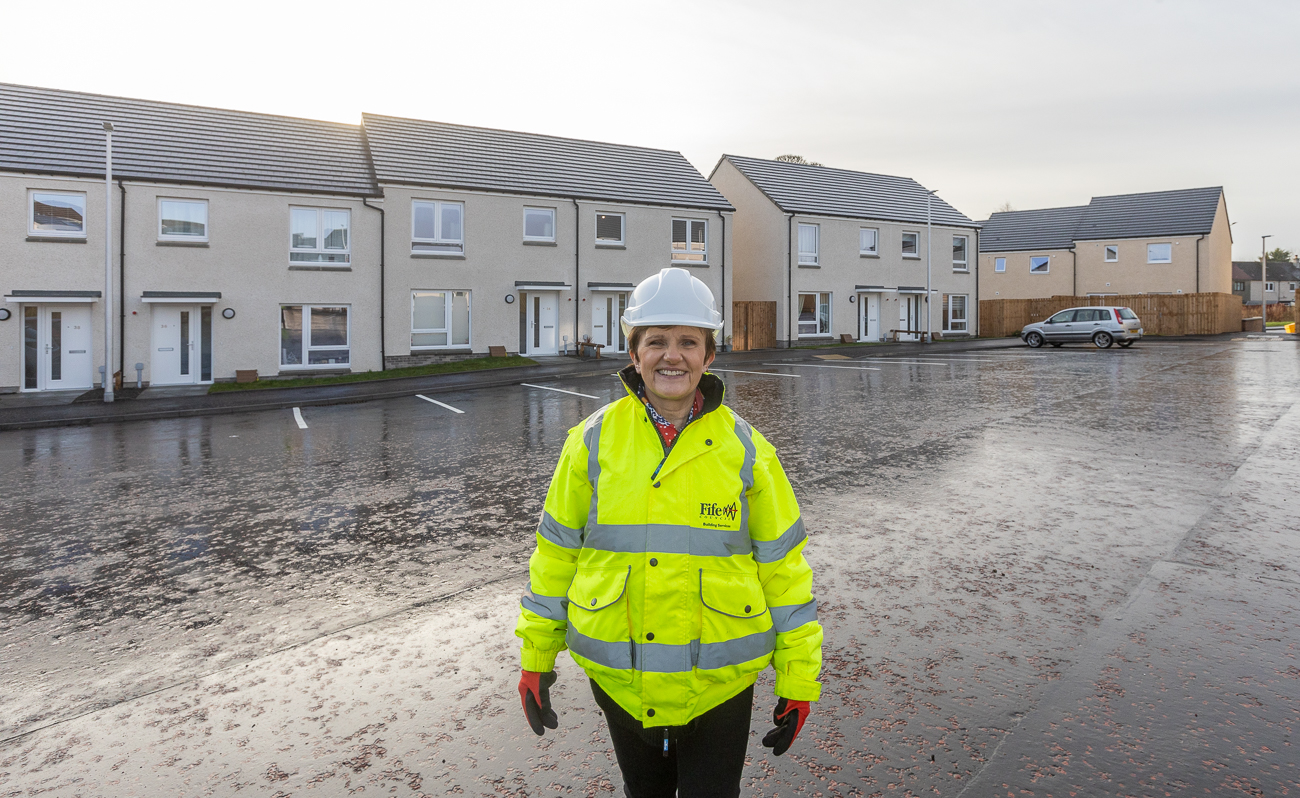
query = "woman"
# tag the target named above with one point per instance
(670, 563)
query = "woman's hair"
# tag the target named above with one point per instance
(710, 345)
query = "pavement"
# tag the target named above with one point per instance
(1062, 572)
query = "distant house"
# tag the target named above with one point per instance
(1165, 242)
(844, 252)
(1283, 278)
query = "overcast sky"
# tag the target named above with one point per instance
(1039, 104)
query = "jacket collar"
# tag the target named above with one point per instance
(710, 385)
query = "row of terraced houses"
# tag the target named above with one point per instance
(286, 246)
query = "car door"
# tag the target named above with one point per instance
(1057, 328)
(1088, 322)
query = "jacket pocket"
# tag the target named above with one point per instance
(736, 595)
(736, 634)
(599, 630)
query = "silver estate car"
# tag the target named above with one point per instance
(1102, 325)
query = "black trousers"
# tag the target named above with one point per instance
(704, 759)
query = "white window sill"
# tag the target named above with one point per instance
(809, 265)
(528, 242)
(459, 349)
(610, 245)
(911, 257)
(961, 269)
(167, 242)
(318, 267)
(868, 255)
(439, 255)
(329, 368)
(58, 239)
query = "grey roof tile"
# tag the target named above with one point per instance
(824, 191)
(421, 153)
(1017, 231)
(48, 131)
(1158, 213)
(1277, 270)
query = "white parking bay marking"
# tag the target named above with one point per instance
(821, 366)
(760, 373)
(893, 361)
(439, 404)
(558, 390)
(297, 416)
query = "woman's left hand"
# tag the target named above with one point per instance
(788, 717)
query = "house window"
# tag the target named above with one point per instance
(539, 224)
(319, 235)
(814, 315)
(959, 263)
(439, 319)
(1039, 264)
(911, 245)
(1270, 288)
(52, 213)
(868, 241)
(1238, 285)
(1112, 254)
(690, 240)
(609, 229)
(182, 220)
(1160, 253)
(954, 312)
(313, 335)
(437, 228)
(999, 264)
(1291, 286)
(808, 245)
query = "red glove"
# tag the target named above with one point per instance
(788, 717)
(535, 693)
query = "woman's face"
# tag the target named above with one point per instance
(671, 361)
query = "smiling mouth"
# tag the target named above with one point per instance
(671, 372)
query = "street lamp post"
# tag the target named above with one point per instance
(108, 261)
(929, 239)
(1263, 278)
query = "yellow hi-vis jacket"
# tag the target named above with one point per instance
(672, 580)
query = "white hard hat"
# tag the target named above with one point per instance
(671, 298)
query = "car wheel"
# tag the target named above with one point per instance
(1103, 340)
(1034, 340)
(1126, 344)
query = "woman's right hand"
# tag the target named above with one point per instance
(535, 693)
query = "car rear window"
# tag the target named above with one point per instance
(1125, 313)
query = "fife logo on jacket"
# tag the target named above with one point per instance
(717, 516)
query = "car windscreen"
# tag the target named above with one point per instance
(1125, 313)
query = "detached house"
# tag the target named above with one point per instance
(847, 252)
(530, 242)
(240, 241)
(1164, 242)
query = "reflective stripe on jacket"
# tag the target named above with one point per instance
(673, 581)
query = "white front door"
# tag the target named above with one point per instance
(56, 348)
(869, 317)
(541, 317)
(174, 345)
(909, 315)
(606, 310)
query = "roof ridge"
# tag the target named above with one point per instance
(828, 168)
(1153, 193)
(553, 137)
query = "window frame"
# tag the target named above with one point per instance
(206, 222)
(817, 244)
(307, 347)
(690, 256)
(947, 313)
(447, 299)
(320, 249)
(874, 251)
(964, 264)
(999, 265)
(830, 313)
(1107, 250)
(1047, 263)
(527, 209)
(438, 240)
(902, 244)
(1272, 290)
(31, 214)
(1170, 259)
(1238, 285)
(622, 229)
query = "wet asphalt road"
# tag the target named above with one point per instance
(1071, 572)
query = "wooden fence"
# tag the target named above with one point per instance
(1161, 314)
(753, 325)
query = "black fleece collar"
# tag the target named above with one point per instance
(710, 385)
